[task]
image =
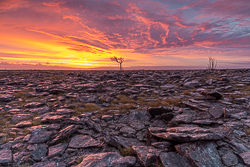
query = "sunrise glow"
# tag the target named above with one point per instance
(73, 34)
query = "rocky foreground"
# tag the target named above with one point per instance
(125, 118)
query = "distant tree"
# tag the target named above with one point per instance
(212, 63)
(118, 60)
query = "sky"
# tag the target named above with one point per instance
(148, 34)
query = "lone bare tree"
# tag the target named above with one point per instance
(118, 60)
(212, 63)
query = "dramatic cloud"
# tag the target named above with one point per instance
(79, 33)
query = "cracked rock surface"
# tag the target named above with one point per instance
(195, 118)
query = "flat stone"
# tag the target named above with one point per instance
(192, 84)
(40, 110)
(53, 119)
(96, 127)
(49, 164)
(40, 136)
(216, 111)
(135, 115)
(64, 133)
(6, 97)
(83, 141)
(24, 124)
(64, 111)
(171, 159)
(115, 141)
(146, 155)
(245, 156)
(99, 159)
(127, 131)
(185, 134)
(186, 116)
(5, 157)
(124, 162)
(137, 125)
(161, 145)
(229, 159)
(201, 153)
(57, 150)
(34, 105)
(107, 117)
(20, 117)
(39, 153)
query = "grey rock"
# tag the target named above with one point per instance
(24, 124)
(40, 136)
(164, 145)
(5, 157)
(115, 141)
(216, 111)
(99, 159)
(229, 159)
(185, 134)
(135, 115)
(127, 131)
(49, 164)
(171, 159)
(53, 119)
(64, 111)
(96, 127)
(185, 116)
(57, 150)
(64, 133)
(137, 125)
(20, 117)
(201, 153)
(141, 135)
(146, 155)
(107, 117)
(39, 153)
(40, 110)
(192, 84)
(245, 158)
(34, 105)
(6, 97)
(127, 161)
(239, 146)
(83, 141)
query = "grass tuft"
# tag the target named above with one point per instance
(127, 152)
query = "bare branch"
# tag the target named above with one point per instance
(118, 60)
(212, 63)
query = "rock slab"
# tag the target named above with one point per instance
(5, 157)
(99, 159)
(201, 153)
